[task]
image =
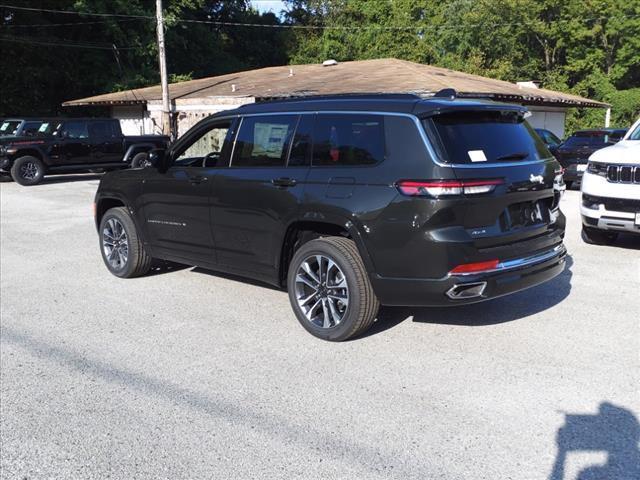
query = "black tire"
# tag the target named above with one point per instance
(363, 305)
(598, 237)
(138, 262)
(569, 184)
(140, 160)
(27, 170)
(6, 177)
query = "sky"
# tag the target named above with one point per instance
(274, 6)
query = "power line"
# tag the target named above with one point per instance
(70, 24)
(416, 28)
(30, 41)
(68, 12)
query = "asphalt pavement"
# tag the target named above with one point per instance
(188, 374)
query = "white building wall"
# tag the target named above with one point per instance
(134, 119)
(549, 118)
(191, 111)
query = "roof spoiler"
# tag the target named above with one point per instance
(448, 93)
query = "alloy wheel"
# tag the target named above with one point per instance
(115, 244)
(321, 291)
(29, 171)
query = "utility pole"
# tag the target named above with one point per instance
(166, 109)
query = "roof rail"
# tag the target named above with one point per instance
(342, 96)
(448, 93)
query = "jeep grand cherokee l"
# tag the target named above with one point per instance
(348, 203)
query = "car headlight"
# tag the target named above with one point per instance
(596, 168)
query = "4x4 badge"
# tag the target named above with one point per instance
(536, 178)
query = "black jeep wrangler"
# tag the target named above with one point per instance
(73, 145)
(349, 203)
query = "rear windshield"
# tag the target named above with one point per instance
(469, 137)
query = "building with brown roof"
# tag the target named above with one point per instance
(139, 110)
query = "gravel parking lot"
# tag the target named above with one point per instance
(190, 374)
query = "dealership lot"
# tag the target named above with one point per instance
(190, 374)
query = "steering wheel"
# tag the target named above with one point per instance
(215, 156)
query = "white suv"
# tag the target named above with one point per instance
(611, 190)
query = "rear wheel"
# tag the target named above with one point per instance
(140, 160)
(329, 289)
(122, 249)
(598, 237)
(27, 170)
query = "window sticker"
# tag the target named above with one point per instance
(43, 127)
(269, 139)
(4, 126)
(477, 156)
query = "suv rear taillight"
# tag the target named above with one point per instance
(440, 188)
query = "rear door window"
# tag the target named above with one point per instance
(263, 141)
(76, 130)
(470, 137)
(348, 140)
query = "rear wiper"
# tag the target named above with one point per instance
(513, 156)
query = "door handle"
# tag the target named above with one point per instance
(197, 179)
(284, 182)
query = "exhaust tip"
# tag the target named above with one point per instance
(465, 291)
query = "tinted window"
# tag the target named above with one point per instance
(301, 147)
(635, 135)
(348, 140)
(100, 129)
(466, 137)
(578, 141)
(551, 138)
(9, 128)
(263, 141)
(31, 128)
(76, 129)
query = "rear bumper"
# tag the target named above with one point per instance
(572, 174)
(513, 276)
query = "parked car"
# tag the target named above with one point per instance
(549, 138)
(22, 127)
(73, 145)
(611, 190)
(574, 153)
(349, 203)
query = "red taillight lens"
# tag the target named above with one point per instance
(477, 267)
(439, 188)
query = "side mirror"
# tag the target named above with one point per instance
(157, 158)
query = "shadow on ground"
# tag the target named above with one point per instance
(613, 430)
(500, 310)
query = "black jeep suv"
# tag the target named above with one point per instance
(349, 203)
(72, 145)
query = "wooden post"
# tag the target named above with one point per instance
(164, 81)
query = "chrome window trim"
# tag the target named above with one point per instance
(417, 122)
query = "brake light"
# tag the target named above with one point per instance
(475, 267)
(439, 188)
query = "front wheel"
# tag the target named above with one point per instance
(598, 237)
(27, 170)
(329, 289)
(122, 249)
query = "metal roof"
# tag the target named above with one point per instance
(387, 75)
